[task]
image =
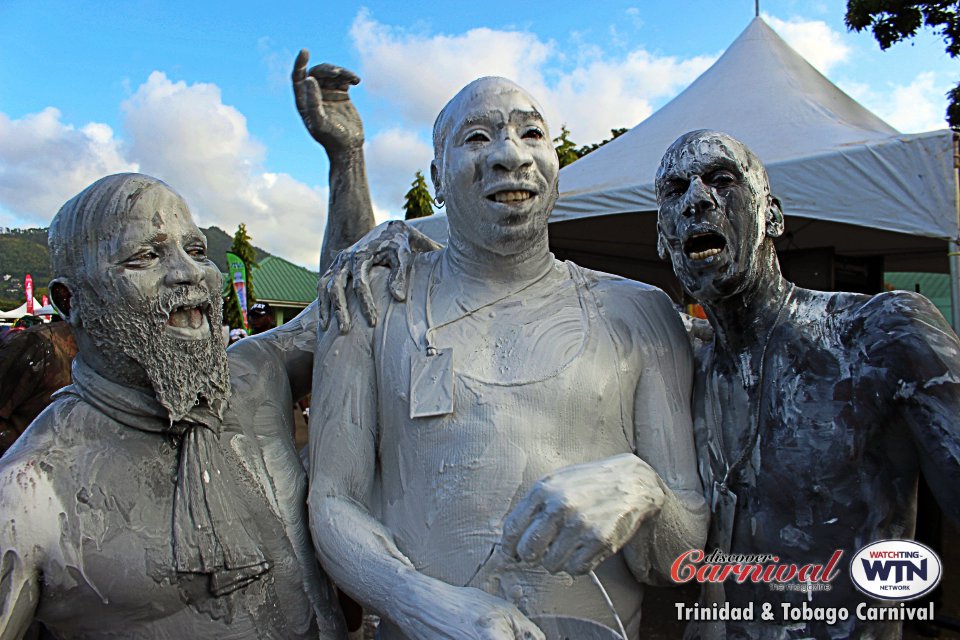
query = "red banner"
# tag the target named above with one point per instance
(28, 285)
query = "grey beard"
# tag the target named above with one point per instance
(181, 372)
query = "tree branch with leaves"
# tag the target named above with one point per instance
(893, 21)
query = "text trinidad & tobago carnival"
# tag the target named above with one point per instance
(718, 566)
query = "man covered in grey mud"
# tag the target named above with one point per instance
(160, 496)
(516, 424)
(815, 412)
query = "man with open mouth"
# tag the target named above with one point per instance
(815, 411)
(160, 495)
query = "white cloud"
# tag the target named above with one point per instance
(44, 162)
(420, 73)
(416, 73)
(393, 157)
(182, 134)
(633, 14)
(185, 135)
(912, 108)
(823, 47)
(277, 61)
(602, 94)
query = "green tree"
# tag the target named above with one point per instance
(418, 203)
(893, 21)
(569, 152)
(614, 134)
(566, 148)
(244, 250)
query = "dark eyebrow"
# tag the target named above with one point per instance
(526, 113)
(516, 114)
(722, 162)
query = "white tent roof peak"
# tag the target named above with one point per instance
(827, 156)
(760, 91)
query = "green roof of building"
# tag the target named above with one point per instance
(277, 280)
(935, 286)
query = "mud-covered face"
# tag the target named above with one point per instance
(713, 203)
(155, 250)
(152, 295)
(498, 171)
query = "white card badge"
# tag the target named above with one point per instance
(431, 383)
(724, 510)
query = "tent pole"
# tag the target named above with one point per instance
(955, 284)
(953, 250)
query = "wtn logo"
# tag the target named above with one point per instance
(903, 569)
(895, 569)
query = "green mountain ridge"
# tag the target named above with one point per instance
(24, 251)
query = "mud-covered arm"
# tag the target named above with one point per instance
(324, 105)
(648, 503)
(356, 549)
(663, 424)
(912, 349)
(289, 347)
(25, 514)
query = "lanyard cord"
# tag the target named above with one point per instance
(427, 335)
(731, 470)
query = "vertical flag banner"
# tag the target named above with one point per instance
(238, 276)
(28, 285)
(44, 301)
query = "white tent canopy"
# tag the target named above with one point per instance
(828, 157)
(19, 312)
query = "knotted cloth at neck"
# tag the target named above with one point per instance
(210, 518)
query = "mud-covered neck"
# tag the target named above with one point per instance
(742, 320)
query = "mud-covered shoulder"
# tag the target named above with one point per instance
(33, 489)
(614, 292)
(62, 425)
(636, 303)
(641, 317)
(904, 335)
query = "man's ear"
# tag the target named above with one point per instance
(661, 244)
(435, 177)
(774, 218)
(61, 294)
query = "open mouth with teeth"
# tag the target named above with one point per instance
(510, 197)
(186, 318)
(704, 245)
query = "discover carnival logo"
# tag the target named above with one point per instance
(895, 569)
(718, 566)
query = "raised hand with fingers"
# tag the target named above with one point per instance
(324, 104)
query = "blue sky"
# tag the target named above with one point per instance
(197, 93)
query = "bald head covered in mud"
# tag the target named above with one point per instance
(142, 501)
(845, 397)
(465, 469)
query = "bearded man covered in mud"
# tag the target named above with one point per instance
(160, 495)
